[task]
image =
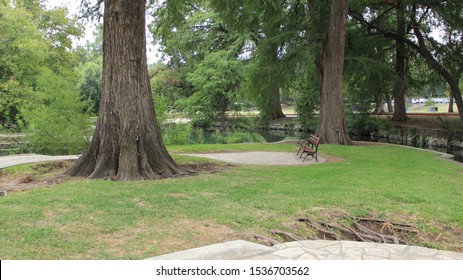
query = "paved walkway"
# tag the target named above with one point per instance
(6, 161)
(261, 158)
(310, 250)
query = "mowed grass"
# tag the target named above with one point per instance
(99, 219)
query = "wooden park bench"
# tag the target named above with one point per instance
(308, 146)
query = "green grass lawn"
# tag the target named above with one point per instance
(98, 219)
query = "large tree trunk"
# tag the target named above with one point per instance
(275, 103)
(127, 144)
(272, 103)
(450, 103)
(379, 106)
(456, 93)
(332, 127)
(400, 67)
(390, 108)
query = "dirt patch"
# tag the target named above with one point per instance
(47, 174)
(205, 167)
(40, 175)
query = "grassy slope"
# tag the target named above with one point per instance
(103, 219)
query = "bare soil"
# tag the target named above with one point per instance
(48, 174)
(42, 175)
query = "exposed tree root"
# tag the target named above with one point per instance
(287, 235)
(359, 232)
(378, 221)
(318, 228)
(271, 241)
(359, 229)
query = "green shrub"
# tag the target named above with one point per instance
(184, 134)
(363, 124)
(235, 137)
(177, 134)
(58, 124)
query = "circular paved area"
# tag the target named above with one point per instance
(261, 158)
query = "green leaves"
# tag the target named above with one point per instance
(58, 123)
(216, 80)
(37, 77)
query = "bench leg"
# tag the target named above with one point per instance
(305, 158)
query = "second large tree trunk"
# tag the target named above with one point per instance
(400, 67)
(332, 127)
(127, 143)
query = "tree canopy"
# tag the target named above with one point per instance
(221, 56)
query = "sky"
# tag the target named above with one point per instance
(153, 53)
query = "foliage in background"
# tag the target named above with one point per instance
(58, 124)
(276, 35)
(38, 78)
(216, 81)
(23, 50)
(204, 74)
(363, 124)
(90, 69)
(305, 86)
(184, 134)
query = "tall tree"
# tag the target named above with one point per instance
(332, 127)
(270, 24)
(204, 52)
(33, 42)
(446, 57)
(400, 64)
(127, 143)
(445, 54)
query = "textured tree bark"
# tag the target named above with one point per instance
(127, 143)
(332, 127)
(400, 66)
(450, 110)
(390, 108)
(275, 104)
(456, 93)
(272, 101)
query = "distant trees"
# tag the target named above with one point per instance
(90, 68)
(433, 30)
(37, 78)
(223, 54)
(203, 58)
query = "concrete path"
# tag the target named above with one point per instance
(310, 250)
(6, 161)
(261, 158)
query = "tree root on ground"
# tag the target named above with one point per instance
(360, 229)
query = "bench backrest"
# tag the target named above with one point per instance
(314, 140)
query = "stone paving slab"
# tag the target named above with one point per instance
(311, 250)
(230, 250)
(261, 158)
